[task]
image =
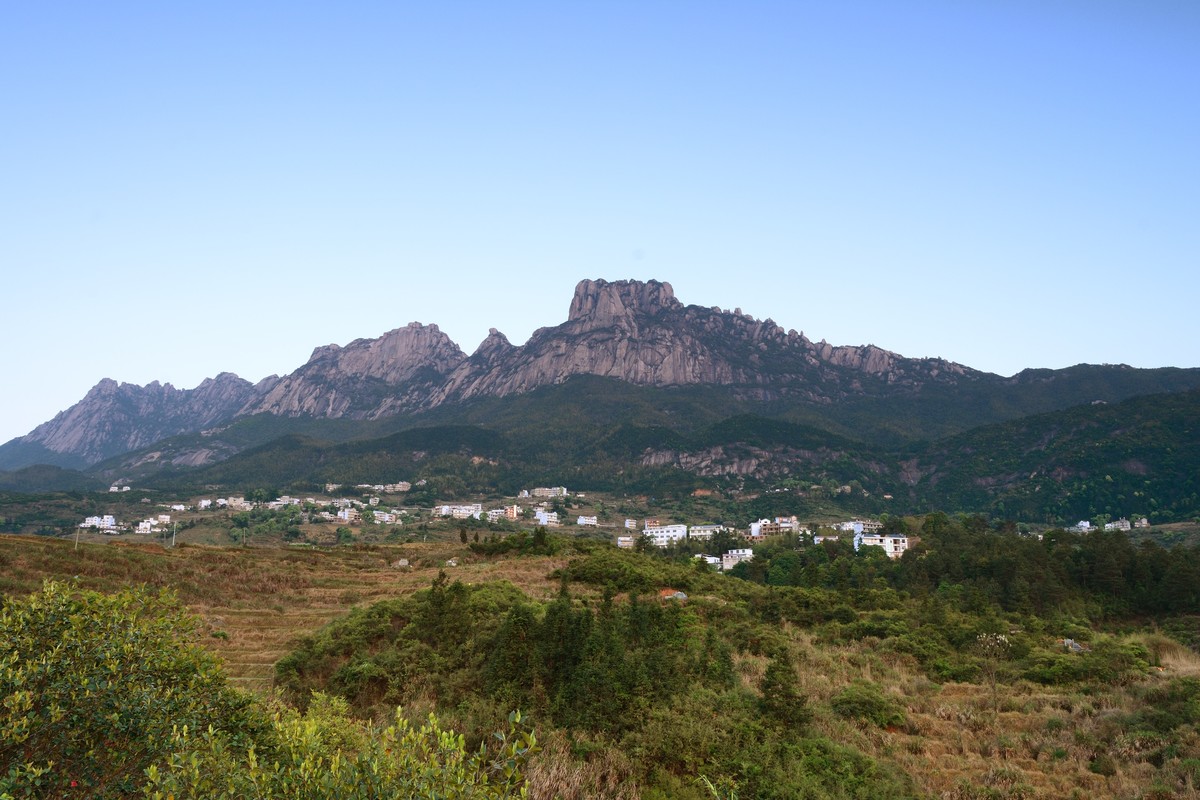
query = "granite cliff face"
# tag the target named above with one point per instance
(367, 378)
(114, 418)
(632, 331)
(640, 333)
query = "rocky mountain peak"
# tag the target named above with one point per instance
(601, 304)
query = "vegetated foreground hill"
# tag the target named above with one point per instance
(813, 671)
(635, 334)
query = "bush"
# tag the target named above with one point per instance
(325, 754)
(864, 701)
(92, 687)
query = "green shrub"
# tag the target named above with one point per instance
(92, 687)
(326, 754)
(864, 701)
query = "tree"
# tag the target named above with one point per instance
(92, 686)
(781, 700)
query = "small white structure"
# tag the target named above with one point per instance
(587, 521)
(626, 542)
(545, 518)
(735, 557)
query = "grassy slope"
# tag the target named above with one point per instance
(262, 598)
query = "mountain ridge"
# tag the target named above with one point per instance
(636, 332)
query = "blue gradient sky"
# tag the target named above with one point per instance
(190, 188)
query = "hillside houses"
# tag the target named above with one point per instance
(106, 523)
(465, 511)
(893, 544)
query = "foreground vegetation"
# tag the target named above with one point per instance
(815, 671)
(105, 696)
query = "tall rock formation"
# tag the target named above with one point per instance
(640, 333)
(114, 418)
(632, 331)
(367, 378)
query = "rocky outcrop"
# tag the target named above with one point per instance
(638, 332)
(367, 378)
(114, 418)
(633, 331)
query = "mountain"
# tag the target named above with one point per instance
(115, 418)
(633, 333)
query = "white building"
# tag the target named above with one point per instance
(546, 518)
(626, 542)
(588, 521)
(552, 491)
(893, 544)
(474, 510)
(713, 561)
(1121, 524)
(106, 522)
(704, 531)
(204, 505)
(631, 524)
(664, 535)
(735, 557)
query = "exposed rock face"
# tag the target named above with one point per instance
(116, 418)
(639, 333)
(633, 331)
(367, 378)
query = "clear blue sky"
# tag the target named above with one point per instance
(189, 188)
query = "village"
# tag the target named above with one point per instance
(546, 507)
(539, 506)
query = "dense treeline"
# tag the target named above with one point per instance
(995, 565)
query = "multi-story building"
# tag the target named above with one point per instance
(664, 535)
(734, 557)
(893, 544)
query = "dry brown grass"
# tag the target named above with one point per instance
(954, 743)
(254, 603)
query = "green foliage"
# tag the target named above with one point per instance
(326, 754)
(106, 696)
(781, 700)
(865, 701)
(521, 543)
(92, 687)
